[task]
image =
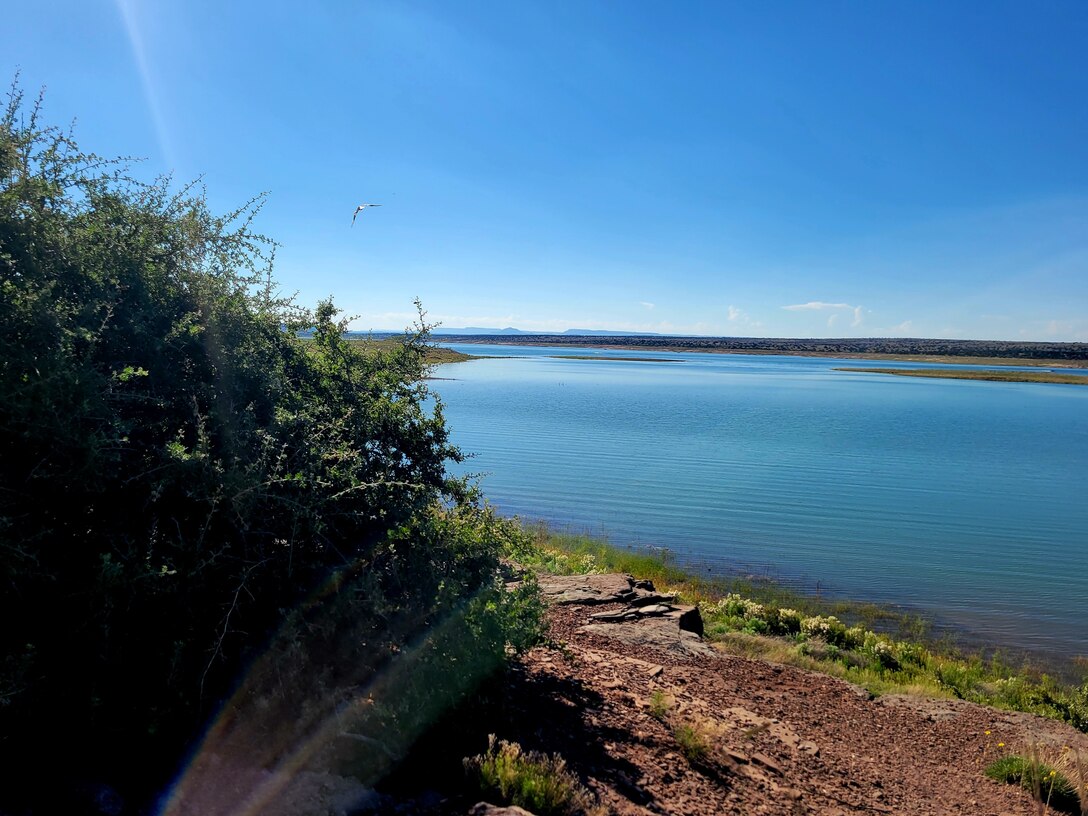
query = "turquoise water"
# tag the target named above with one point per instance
(965, 500)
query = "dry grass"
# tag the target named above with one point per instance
(693, 740)
(1054, 777)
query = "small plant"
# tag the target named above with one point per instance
(659, 705)
(693, 742)
(884, 652)
(532, 780)
(1045, 783)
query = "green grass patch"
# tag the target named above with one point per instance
(537, 782)
(436, 355)
(966, 374)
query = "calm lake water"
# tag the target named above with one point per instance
(964, 500)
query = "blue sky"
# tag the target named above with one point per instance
(790, 169)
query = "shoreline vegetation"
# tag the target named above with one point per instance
(989, 376)
(879, 648)
(955, 352)
(434, 355)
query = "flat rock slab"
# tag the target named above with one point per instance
(587, 589)
(686, 617)
(633, 613)
(644, 598)
(657, 633)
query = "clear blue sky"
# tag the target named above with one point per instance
(755, 169)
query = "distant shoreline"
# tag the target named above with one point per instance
(989, 376)
(597, 358)
(954, 352)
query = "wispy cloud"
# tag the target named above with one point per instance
(740, 317)
(821, 306)
(1075, 331)
(645, 304)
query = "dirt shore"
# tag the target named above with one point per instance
(780, 740)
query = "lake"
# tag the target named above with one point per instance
(963, 500)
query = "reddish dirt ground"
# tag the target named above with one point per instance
(781, 740)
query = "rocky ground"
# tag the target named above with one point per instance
(780, 740)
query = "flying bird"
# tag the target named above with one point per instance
(359, 209)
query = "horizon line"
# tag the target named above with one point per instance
(513, 332)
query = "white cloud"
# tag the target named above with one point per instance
(815, 305)
(646, 304)
(740, 317)
(1066, 330)
(820, 306)
(903, 327)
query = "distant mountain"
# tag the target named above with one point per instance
(468, 330)
(609, 333)
(479, 330)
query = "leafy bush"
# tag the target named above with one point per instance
(183, 480)
(537, 782)
(960, 678)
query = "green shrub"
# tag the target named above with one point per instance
(537, 782)
(757, 626)
(785, 621)
(885, 653)
(962, 679)
(184, 481)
